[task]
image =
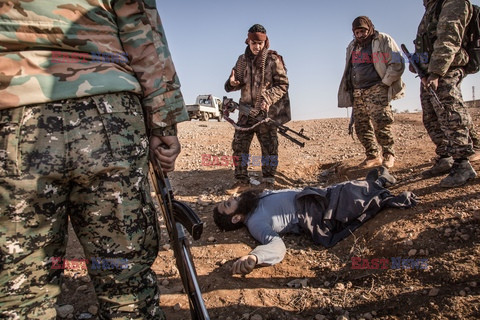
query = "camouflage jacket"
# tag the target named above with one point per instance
(274, 90)
(442, 37)
(58, 49)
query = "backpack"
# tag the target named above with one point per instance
(471, 38)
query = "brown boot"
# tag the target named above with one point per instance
(388, 161)
(371, 161)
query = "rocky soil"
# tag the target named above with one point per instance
(313, 282)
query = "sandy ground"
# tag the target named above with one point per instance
(313, 282)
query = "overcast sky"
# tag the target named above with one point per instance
(207, 36)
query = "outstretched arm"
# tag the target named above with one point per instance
(271, 251)
(244, 264)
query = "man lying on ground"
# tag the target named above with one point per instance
(328, 214)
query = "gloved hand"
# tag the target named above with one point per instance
(244, 264)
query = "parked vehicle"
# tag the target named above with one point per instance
(206, 107)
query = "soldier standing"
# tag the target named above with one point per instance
(261, 76)
(372, 78)
(448, 124)
(77, 79)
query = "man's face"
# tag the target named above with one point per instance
(256, 46)
(360, 33)
(228, 206)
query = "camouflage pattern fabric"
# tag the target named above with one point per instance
(275, 84)
(85, 159)
(373, 119)
(448, 126)
(268, 138)
(474, 135)
(58, 49)
(441, 37)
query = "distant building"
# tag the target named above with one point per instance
(472, 103)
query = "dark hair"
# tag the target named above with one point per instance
(257, 28)
(247, 203)
(224, 221)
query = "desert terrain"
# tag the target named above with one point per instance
(313, 282)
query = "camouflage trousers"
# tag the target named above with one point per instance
(373, 119)
(450, 126)
(83, 159)
(267, 137)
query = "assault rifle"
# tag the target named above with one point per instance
(178, 217)
(351, 125)
(229, 105)
(422, 74)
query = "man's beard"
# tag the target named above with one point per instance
(248, 202)
(363, 41)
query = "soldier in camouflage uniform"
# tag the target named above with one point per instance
(372, 78)
(261, 76)
(449, 124)
(87, 90)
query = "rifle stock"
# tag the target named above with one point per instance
(178, 217)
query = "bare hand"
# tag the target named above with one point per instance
(254, 112)
(244, 264)
(166, 150)
(264, 106)
(430, 82)
(233, 82)
(411, 68)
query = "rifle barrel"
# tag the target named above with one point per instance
(286, 135)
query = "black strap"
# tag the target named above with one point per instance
(438, 8)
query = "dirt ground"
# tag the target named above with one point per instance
(313, 282)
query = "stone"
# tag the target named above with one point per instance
(93, 309)
(433, 292)
(65, 310)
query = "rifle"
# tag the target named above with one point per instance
(178, 217)
(422, 74)
(229, 106)
(351, 126)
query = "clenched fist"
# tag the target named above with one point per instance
(244, 264)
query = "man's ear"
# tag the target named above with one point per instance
(237, 218)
